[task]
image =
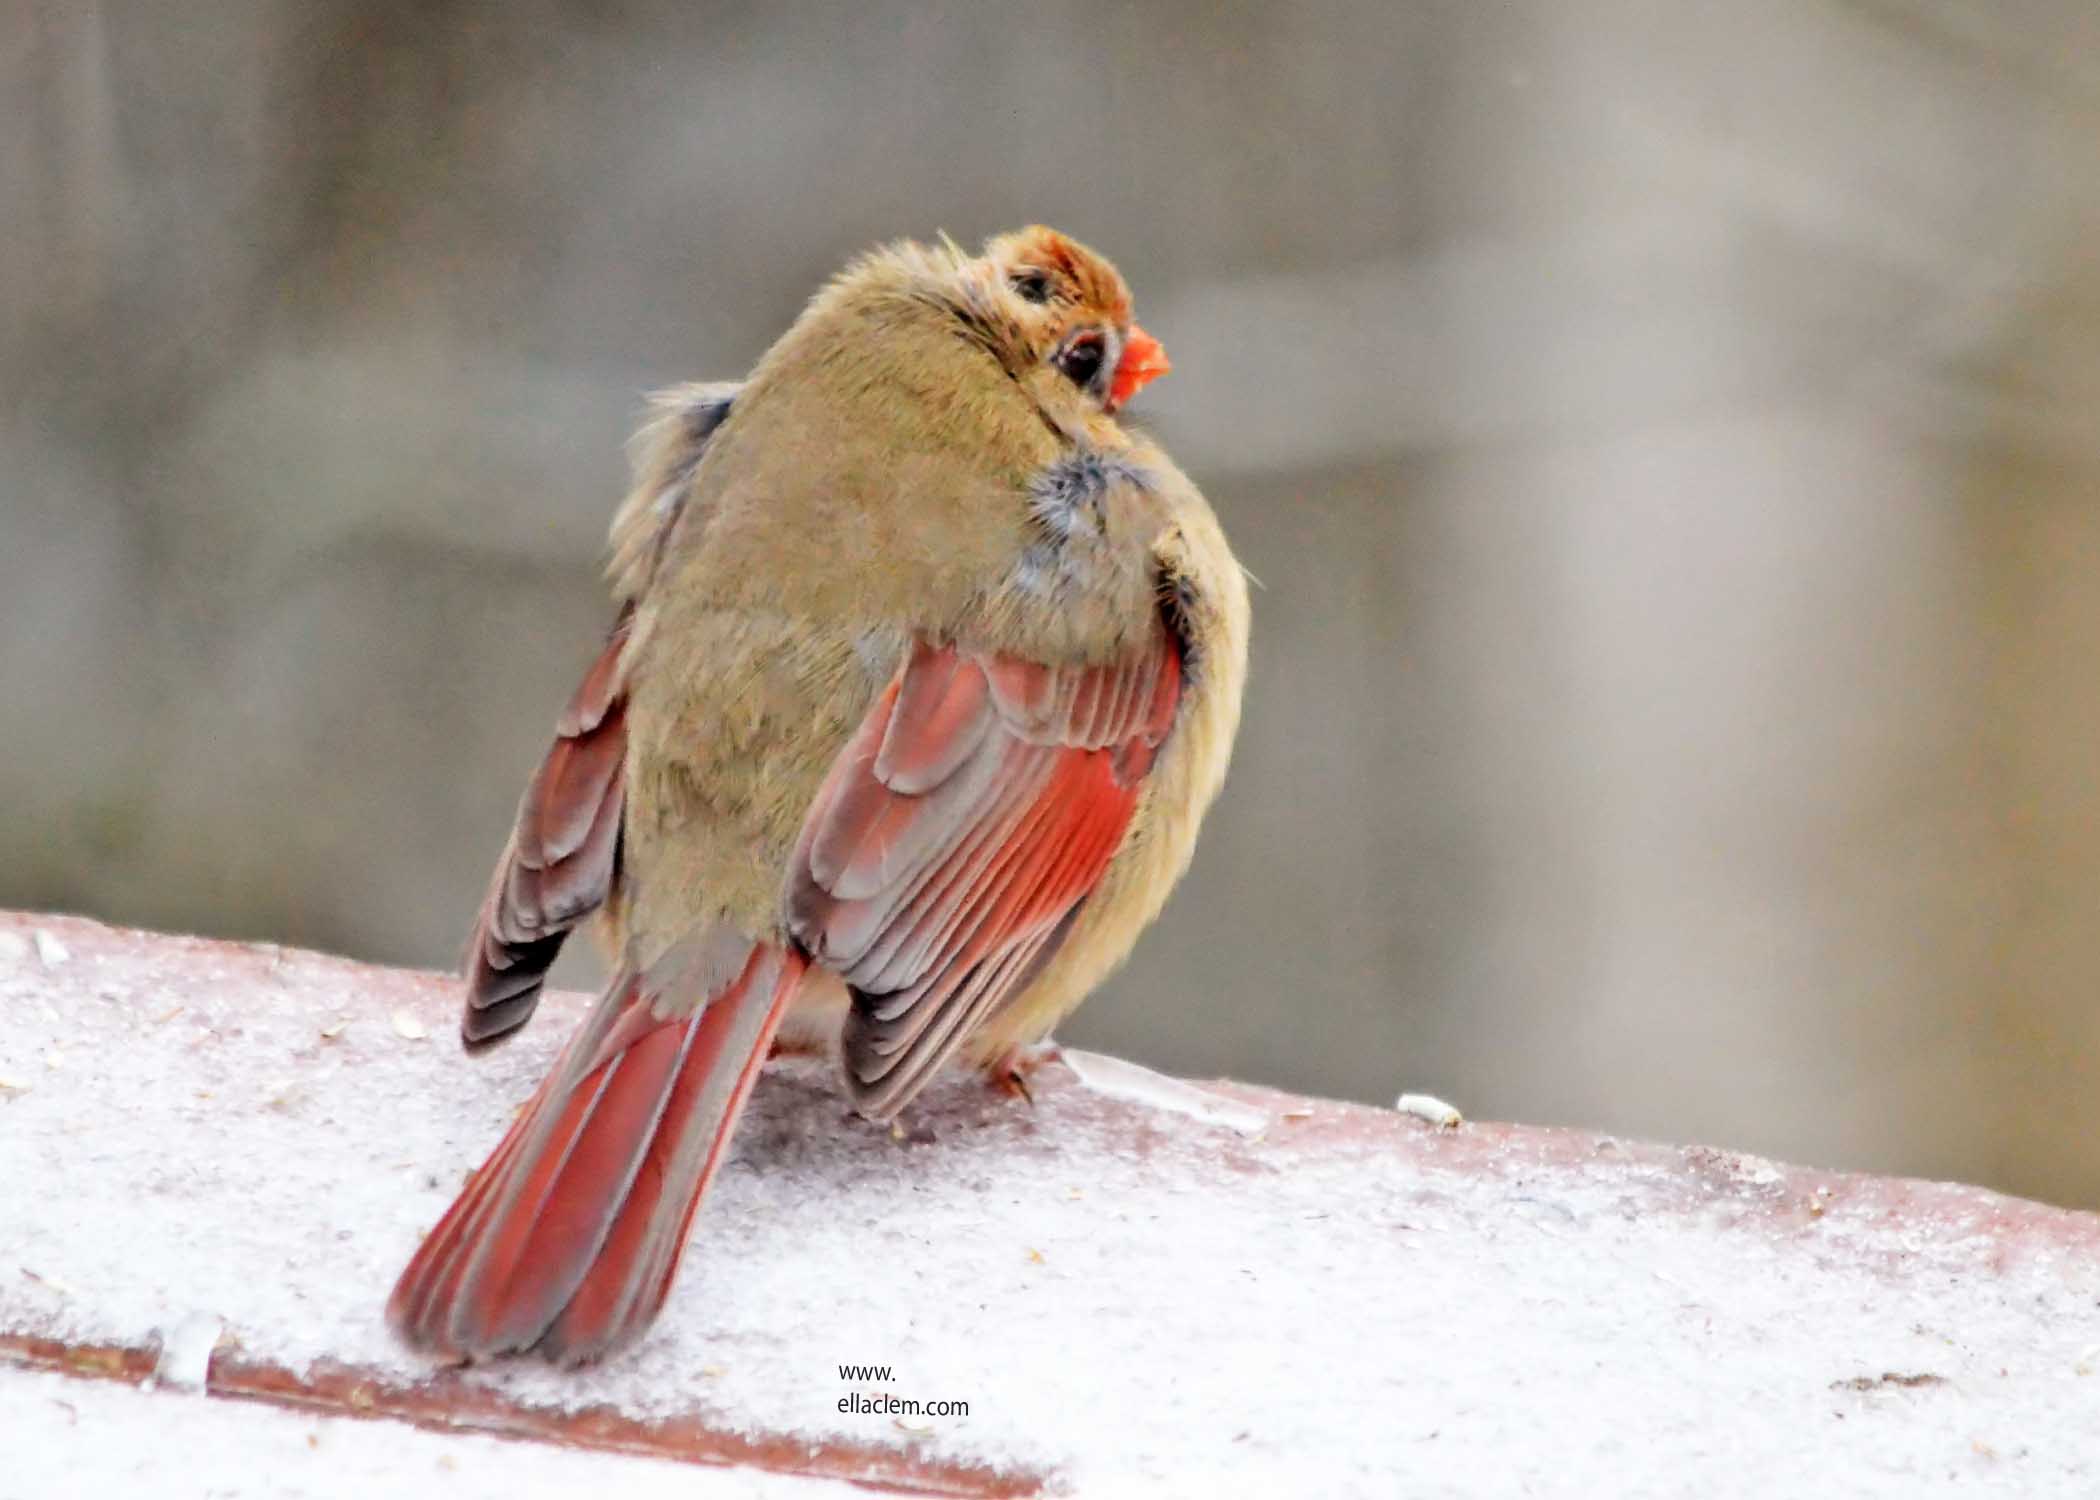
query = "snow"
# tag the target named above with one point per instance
(1133, 1292)
(96, 1437)
(49, 950)
(1114, 1078)
(1430, 1108)
(186, 1351)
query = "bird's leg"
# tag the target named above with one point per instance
(1009, 1074)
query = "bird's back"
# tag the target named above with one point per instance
(869, 484)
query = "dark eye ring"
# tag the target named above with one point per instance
(1080, 360)
(1032, 286)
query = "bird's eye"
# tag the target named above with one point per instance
(1080, 360)
(1032, 286)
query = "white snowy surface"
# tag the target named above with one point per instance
(96, 1437)
(1115, 1078)
(1130, 1298)
(1429, 1108)
(186, 1350)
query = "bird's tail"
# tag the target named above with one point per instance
(566, 1240)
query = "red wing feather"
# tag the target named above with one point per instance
(562, 856)
(975, 808)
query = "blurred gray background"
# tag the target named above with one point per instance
(1669, 436)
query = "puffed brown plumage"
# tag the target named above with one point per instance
(925, 671)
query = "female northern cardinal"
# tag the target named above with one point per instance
(925, 671)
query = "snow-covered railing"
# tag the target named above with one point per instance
(215, 1156)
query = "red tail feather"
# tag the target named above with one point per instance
(566, 1240)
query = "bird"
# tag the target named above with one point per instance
(925, 668)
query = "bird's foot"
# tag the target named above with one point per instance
(1011, 1072)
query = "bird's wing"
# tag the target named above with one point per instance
(958, 833)
(564, 852)
(666, 452)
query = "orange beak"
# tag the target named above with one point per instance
(1144, 361)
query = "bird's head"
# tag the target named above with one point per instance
(1062, 308)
